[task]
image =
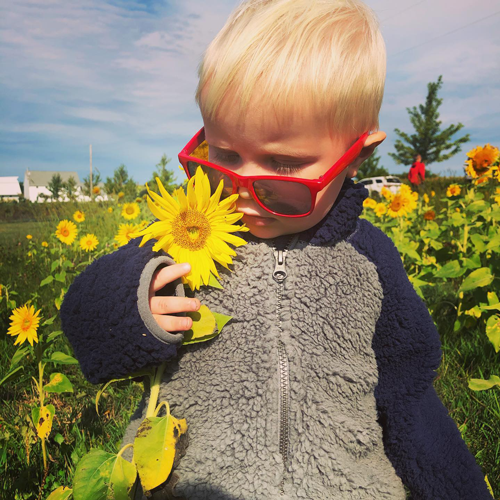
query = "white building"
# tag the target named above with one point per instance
(9, 188)
(36, 186)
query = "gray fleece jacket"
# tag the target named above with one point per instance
(320, 387)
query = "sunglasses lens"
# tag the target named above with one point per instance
(284, 197)
(214, 177)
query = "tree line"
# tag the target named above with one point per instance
(428, 140)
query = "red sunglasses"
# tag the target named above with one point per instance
(284, 196)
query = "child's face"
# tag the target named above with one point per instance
(251, 146)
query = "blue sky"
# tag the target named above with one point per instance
(121, 75)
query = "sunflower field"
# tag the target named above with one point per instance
(51, 417)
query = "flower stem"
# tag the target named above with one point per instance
(40, 392)
(155, 389)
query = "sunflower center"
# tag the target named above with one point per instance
(130, 210)
(65, 231)
(396, 204)
(191, 229)
(26, 324)
(89, 243)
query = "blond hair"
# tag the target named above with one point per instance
(319, 59)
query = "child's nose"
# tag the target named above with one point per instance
(244, 193)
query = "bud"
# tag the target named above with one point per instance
(461, 295)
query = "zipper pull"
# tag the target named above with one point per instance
(279, 274)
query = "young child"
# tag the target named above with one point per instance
(321, 386)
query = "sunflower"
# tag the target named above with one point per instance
(138, 200)
(124, 233)
(66, 231)
(453, 190)
(79, 216)
(426, 198)
(429, 215)
(481, 160)
(130, 211)
(110, 210)
(387, 193)
(121, 194)
(24, 323)
(370, 203)
(89, 242)
(402, 204)
(45, 244)
(380, 209)
(195, 227)
(96, 190)
(433, 193)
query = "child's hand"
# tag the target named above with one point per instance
(162, 306)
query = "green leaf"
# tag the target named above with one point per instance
(457, 325)
(59, 438)
(67, 263)
(476, 206)
(473, 262)
(154, 448)
(103, 476)
(437, 245)
(457, 219)
(18, 355)
(212, 281)
(494, 243)
(54, 265)
(58, 383)
(47, 280)
(203, 328)
(493, 331)
(492, 298)
(478, 384)
(478, 242)
(54, 335)
(63, 359)
(62, 493)
(42, 420)
(221, 320)
(495, 215)
(49, 321)
(12, 375)
(452, 269)
(478, 278)
(61, 276)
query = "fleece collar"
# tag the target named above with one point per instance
(338, 223)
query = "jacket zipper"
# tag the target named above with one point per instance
(279, 275)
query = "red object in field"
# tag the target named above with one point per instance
(416, 175)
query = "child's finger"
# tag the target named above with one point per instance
(170, 305)
(167, 275)
(173, 323)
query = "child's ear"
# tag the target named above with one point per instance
(371, 142)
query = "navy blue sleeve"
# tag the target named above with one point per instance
(106, 317)
(421, 440)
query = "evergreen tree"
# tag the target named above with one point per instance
(96, 179)
(69, 188)
(55, 186)
(370, 168)
(428, 141)
(121, 182)
(166, 177)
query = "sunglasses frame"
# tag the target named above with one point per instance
(246, 181)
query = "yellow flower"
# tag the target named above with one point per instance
(124, 232)
(130, 211)
(426, 198)
(497, 192)
(24, 323)
(194, 227)
(121, 194)
(110, 210)
(387, 193)
(481, 161)
(79, 216)
(370, 203)
(29, 236)
(115, 245)
(401, 205)
(457, 210)
(66, 231)
(96, 190)
(433, 193)
(89, 242)
(138, 200)
(45, 244)
(453, 190)
(380, 209)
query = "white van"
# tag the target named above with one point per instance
(377, 183)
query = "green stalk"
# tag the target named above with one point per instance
(155, 389)
(40, 391)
